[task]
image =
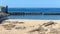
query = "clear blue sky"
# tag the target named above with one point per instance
(31, 3)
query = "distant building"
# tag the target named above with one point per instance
(4, 9)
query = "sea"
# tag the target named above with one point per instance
(34, 17)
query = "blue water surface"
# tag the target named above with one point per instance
(33, 9)
(37, 17)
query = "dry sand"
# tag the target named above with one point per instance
(23, 26)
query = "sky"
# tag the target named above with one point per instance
(31, 3)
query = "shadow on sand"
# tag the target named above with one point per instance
(2, 19)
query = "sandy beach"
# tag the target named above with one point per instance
(26, 26)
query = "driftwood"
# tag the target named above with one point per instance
(40, 29)
(49, 23)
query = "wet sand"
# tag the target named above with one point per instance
(25, 26)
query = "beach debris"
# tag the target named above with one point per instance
(53, 31)
(49, 23)
(40, 30)
(32, 26)
(20, 27)
(13, 22)
(21, 22)
(16, 22)
(9, 26)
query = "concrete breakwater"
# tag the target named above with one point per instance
(25, 13)
(51, 13)
(2, 14)
(34, 13)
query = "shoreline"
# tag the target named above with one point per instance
(32, 19)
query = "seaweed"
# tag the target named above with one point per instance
(20, 27)
(9, 26)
